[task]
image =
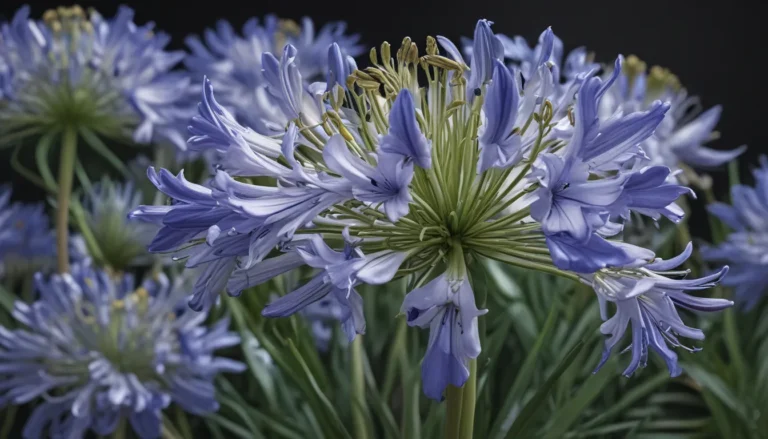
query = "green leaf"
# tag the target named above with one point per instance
(257, 367)
(7, 299)
(523, 378)
(229, 425)
(629, 398)
(564, 417)
(527, 413)
(320, 403)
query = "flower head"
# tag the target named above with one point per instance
(233, 62)
(389, 177)
(679, 140)
(646, 300)
(82, 70)
(26, 239)
(97, 349)
(121, 242)
(745, 247)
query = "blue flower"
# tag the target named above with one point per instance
(387, 183)
(499, 146)
(27, 242)
(680, 138)
(109, 351)
(235, 65)
(404, 137)
(447, 307)
(646, 299)
(340, 272)
(340, 66)
(111, 73)
(745, 247)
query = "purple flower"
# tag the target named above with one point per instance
(404, 137)
(109, 351)
(647, 300)
(447, 307)
(499, 147)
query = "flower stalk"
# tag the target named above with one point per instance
(66, 175)
(358, 389)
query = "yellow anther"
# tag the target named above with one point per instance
(118, 304)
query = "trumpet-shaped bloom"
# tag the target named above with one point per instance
(98, 350)
(745, 247)
(646, 301)
(447, 307)
(680, 138)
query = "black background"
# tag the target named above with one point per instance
(716, 49)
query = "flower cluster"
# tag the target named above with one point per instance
(745, 247)
(108, 76)
(234, 63)
(115, 241)
(375, 176)
(26, 239)
(99, 352)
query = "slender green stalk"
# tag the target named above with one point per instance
(358, 390)
(468, 403)
(66, 175)
(454, 397)
(120, 429)
(10, 415)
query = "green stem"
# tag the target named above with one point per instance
(454, 397)
(120, 429)
(468, 403)
(10, 415)
(358, 390)
(66, 174)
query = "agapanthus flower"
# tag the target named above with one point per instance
(646, 299)
(121, 242)
(679, 140)
(105, 76)
(94, 350)
(27, 242)
(746, 247)
(379, 177)
(233, 62)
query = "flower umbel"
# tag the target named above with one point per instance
(26, 239)
(78, 69)
(745, 247)
(381, 177)
(98, 350)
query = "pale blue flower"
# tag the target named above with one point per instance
(680, 138)
(405, 137)
(235, 65)
(499, 146)
(27, 242)
(113, 74)
(447, 307)
(646, 299)
(745, 247)
(97, 350)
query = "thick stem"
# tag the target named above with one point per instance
(358, 389)
(66, 174)
(454, 396)
(468, 403)
(120, 429)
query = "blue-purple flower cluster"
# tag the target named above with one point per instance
(110, 76)
(745, 247)
(26, 239)
(95, 350)
(372, 176)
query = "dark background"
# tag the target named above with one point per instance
(716, 50)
